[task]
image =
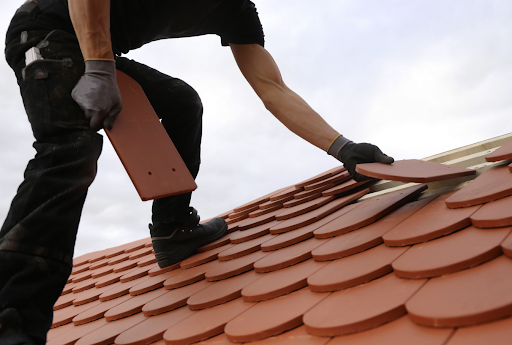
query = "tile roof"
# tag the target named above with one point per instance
(324, 261)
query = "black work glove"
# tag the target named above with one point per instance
(352, 154)
(98, 95)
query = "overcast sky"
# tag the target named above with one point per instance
(414, 77)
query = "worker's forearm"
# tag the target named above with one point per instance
(91, 20)
(298, 116)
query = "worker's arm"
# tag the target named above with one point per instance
(262, 73)
(96, 92)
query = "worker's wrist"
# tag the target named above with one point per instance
(337, 145)
(100, 66)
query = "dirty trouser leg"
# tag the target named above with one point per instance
(179, 107)
(38, 236)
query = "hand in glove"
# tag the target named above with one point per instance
(351, 154)
(98, 95)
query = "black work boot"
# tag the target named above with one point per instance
(173, 243)
(11, 330)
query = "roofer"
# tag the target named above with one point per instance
(65, 59)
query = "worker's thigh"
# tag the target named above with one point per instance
(176, 103)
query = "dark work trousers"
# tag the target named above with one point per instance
(38, 236)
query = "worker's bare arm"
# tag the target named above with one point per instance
(91, 20)
(262, 73)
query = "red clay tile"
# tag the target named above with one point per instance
(304, 208)
(102, 271)
(124, 266)
(366, 237)
(98, 311)
(510, 167)
(228, 269)
(122, 289)
(258, 201)
(140, 253)
(362, 307)
(506, 246)
(258, 231)
(297, 336)
(355, 269)
(152, 329)
(282, 282)
(234, 220)
(477, 295)
(298, 235)
(106, 334)
(68, 288)
(222, 291)
(412, 170)
(212, 321)
(253, 222)
(307, 195)
(66, 315)
(147, 260)
(136, 245)
(204, 257)
(336, 179)
(461, 250)
(152, 283)
(216, 244)
(137, 273)
(315, 215)
(261, 212)
(184, 277)
(495, 333)
(174, 299)
(119, 258)
(65, 301)
(273, 204)
(504, 152)
(369, 212)
(99, 264)
(287, 256)
(400, 332)
(321, 176)
(156, 271)
(288, 192)
(80, 269)
(55, 332)
(84, 259)
(112, 252)
(272, 317)
(112, 278)
(82, 276)
(245, 248)
(345, 187)
(432, 221)
(493, 184)
(244, 212)
(133, 305)
(220, 339)
(495, 214)
(75, 333)
(85, 285)
(154, 173)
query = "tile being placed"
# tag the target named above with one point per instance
(355, 269)
(152, 329)
(496, 333)
(298, 235)
(432, 221)
(212, 321)
(495, 214)
(174, 299)
(316, 214)
(412, 170)
(477, 295)
(245, 248)
(133, 305)
(399, 332)
(222, 291)
(98, 311)
(369, 212)
(493, 184)
(367, 237)
(272, 317)
(282, 282)
(296, 336)
(449, 254)
(504, 152)
(287, 256)
(106, 334)
(362, 307)
(204, 257)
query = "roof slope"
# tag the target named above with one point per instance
(309, 265)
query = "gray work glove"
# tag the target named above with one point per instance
(98, 95)
(351, 154)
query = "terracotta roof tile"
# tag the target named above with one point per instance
(66, 315)
(137, 273)
(368, 212)
(133, 305)
(296, 336)
(154, 282)
(182, 277)
(216, 244)
(93, 294)
(76, 333)
(321, 176)
(290, 191)
(272, 317)
(106, 334)
(506, 246)
(228, 269)
(252, 233)
(465, 298)
(244, 248)
(362, 307)
(338, 178)
(494, 184)
(204, 257)
(504, 152)
(496, 333)
(345, 187)
(355, 269)
(412, 170)
(494, 214)
(464, 249)
(98, 311)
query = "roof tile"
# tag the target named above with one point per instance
(97, 312)
(188, 276)
(123, 288)
(152, 283)
(494, 214)
(75, 333)
(496, 333)
(297, 336)
(105, 335)
(245, 248)
(321, 176)
(204, 257)
(504, 152)
(227, 269)
(93, 294)
(250, 234)
(345, 187)
(133, 305)
(66, 315)
(338, 178)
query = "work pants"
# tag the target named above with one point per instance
(38, 235)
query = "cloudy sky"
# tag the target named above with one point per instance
(413, 77)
